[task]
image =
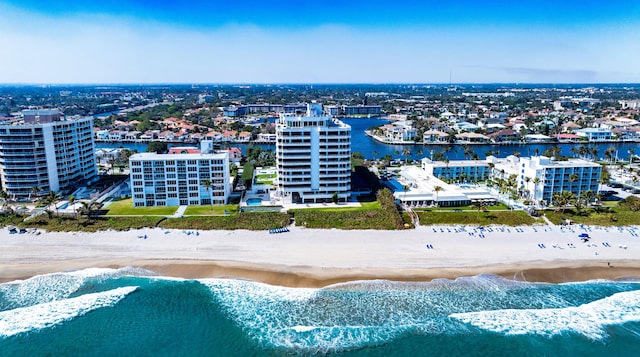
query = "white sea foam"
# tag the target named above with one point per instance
(340, 317)
(45, 315)
(589, 319)
(367, 313)
(51, 287)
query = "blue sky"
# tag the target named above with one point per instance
(145, 41)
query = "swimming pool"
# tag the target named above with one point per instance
(395, 185)
(254, 201)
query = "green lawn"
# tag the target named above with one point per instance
(125, 208)
(364, 206)
(265, 179)
(208, 210)
(510, 218)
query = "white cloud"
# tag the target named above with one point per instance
(100, 49)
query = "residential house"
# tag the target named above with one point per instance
(244, 137)
(116, 135)
(595, 134)
(505, 135)
(434, 137)
(471, 138)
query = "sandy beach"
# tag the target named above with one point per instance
(316, 258)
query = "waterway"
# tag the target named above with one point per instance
(371, 149)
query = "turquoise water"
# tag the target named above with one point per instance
(394, 185)
(254, 201)
(105, 312)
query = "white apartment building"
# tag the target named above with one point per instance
(45, 152)
(540, 177)
(179, 179)
(457, 170)
(313, 155)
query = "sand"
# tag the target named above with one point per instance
(317, 257)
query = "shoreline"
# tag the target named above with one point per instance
(320, 257)
(309, 277)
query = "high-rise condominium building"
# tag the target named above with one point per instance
(45, 152)
(313, 155)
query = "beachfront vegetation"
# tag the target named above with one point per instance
(64, 223)
(626, 212)
(242, 220)
(380, 214)
(509, 218)
(211, 210)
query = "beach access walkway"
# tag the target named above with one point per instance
(179, 212)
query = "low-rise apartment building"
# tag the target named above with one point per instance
(540, 177)
(457, 170)
(179, 179)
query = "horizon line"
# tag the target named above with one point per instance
(447, 84)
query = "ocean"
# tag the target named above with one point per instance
(129, 311)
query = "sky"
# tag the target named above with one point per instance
(329, 41)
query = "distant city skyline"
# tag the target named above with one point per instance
(144, 41)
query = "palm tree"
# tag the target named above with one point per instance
(574, 178)
(406, 153)
(52, 199)
(84, 210)
(536, 181)
(437, 189)
(206, 183)
(587, 196)
(562, 199)
(479, 205)
(608, 154)
(527, 179)
(34, 191)
(72, 201)
(4, 196)
(375, 155)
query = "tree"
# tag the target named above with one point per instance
(479, 205)
(34, 191)
(608, 154)
(406, 153)
(527, 179)
(84, 210)
(72, 201)
(375, 155)
(334, 198)
(563, 199)
(575, 178)
(247, 174)
(437, 190)
(587, 196)
(4, 196)
(206, 183)
(158, 147)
